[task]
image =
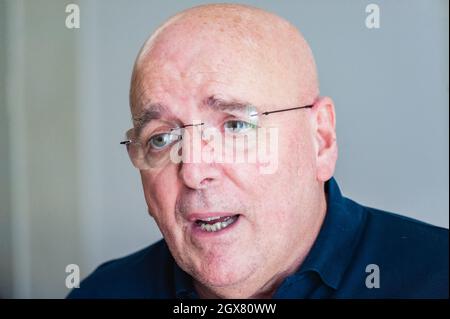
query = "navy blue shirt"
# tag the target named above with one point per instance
(360, 252)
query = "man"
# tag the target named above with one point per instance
(232, 229)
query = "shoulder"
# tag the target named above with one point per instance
(411, 255)
(143, 274)
(406, 236)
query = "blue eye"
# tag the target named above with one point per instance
(163, 140)
(238, 126)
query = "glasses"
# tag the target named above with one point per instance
(231, 137)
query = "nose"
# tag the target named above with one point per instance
(199, 175)
(198, 169)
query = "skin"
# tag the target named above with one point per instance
(244, 53)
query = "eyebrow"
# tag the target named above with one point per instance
(155, 111)
(220, 104)
(152, 111)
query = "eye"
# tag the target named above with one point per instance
(238, 126)
(163, 140)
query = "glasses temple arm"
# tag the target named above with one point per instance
(290, 109)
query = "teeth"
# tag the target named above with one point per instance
(217, 226)
(210, 219)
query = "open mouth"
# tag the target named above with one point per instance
(215, 224)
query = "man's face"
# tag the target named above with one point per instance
(274, 211)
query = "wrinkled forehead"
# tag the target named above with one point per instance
(191, 62)
(189, 77)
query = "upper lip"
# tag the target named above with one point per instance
(192, 217)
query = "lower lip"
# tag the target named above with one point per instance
(197, 231)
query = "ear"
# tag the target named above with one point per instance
(324, 134)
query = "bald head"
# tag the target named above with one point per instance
(227, 38)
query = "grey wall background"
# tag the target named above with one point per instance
(68, 193)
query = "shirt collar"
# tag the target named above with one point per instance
(331, 252)
(184, 285)
(339, 235)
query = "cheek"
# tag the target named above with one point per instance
(298, 155)
(160, 193)
(286, 191)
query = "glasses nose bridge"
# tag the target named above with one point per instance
(194, 141)
(197, 128)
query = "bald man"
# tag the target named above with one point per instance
(236, 150)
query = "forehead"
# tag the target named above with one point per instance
(173, 86)
(187, 69)
(195, 66)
